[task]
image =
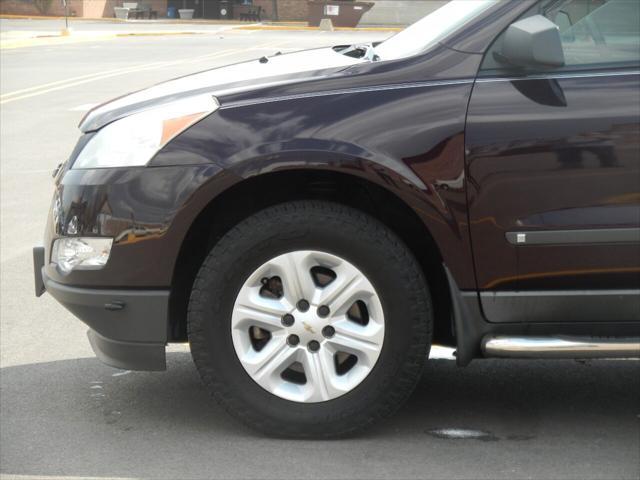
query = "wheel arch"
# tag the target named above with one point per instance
(257, 192)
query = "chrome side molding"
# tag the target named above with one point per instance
(560, 346)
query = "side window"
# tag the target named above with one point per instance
(594, 33)
(598, 32)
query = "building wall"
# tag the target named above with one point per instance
(294, 10)
(384, 12)
(400, 12)
(104, 8)
(288, 10)
(26, 7)
(78, 8)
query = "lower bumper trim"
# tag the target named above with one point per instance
(128, 327)
(128, 355)
(38, 264)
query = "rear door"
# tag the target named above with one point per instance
(553, 161)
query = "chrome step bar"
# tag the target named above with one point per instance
(560, 347)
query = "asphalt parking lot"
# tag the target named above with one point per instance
(65, 415)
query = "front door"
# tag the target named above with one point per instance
(553, 159)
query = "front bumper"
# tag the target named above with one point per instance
(128, 327)
(146, 211)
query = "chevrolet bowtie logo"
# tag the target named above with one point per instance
(308, 327)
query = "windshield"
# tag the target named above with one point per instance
(432, 28)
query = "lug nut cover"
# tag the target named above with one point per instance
(313, 345)
(328, 331)
(324, 311)
(288, 320)
(303, 305)
(293, 340)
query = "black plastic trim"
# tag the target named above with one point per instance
(132, 336)
(471, 326)
(128, 355)
(467, 321)
(572, 237)
(562, 306)
(38, 264)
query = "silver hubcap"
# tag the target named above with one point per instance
(308, 326)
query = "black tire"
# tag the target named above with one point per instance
(334, 228)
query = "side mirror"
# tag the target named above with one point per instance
(533, 41)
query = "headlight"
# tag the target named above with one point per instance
(134, 140)
(81, 253)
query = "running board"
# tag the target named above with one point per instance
(560, 347)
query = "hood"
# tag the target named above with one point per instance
(255, 74)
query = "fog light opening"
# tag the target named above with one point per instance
(81, 253)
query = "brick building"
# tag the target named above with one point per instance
(77, 8)
(399, 12)
(286, 9)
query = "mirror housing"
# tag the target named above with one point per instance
(530, 42)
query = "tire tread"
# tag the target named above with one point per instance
(296, 213)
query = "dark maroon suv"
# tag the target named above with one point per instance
(312, 223)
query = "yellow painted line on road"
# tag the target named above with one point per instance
(68, 84)
(72, 82)
(128, 69)
(12, 44)
(51, 84)
(51, 40)
(53, 17)
(9, 476)
(102, 76)
(156, 34)
(116, 70)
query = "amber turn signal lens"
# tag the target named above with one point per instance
(174, 126)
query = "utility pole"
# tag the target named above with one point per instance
(275, 10)
(66, 31)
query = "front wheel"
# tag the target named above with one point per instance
(310, 319)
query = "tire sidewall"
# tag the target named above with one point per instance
(370, 249)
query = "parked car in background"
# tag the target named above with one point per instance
(312, 223)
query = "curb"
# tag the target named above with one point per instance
(317, 29)
(160, 21)
(48, 41)
(291, 26)
(156, 34)
(7, 16)
(59, 39)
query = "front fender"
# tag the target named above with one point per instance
(409, 140)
